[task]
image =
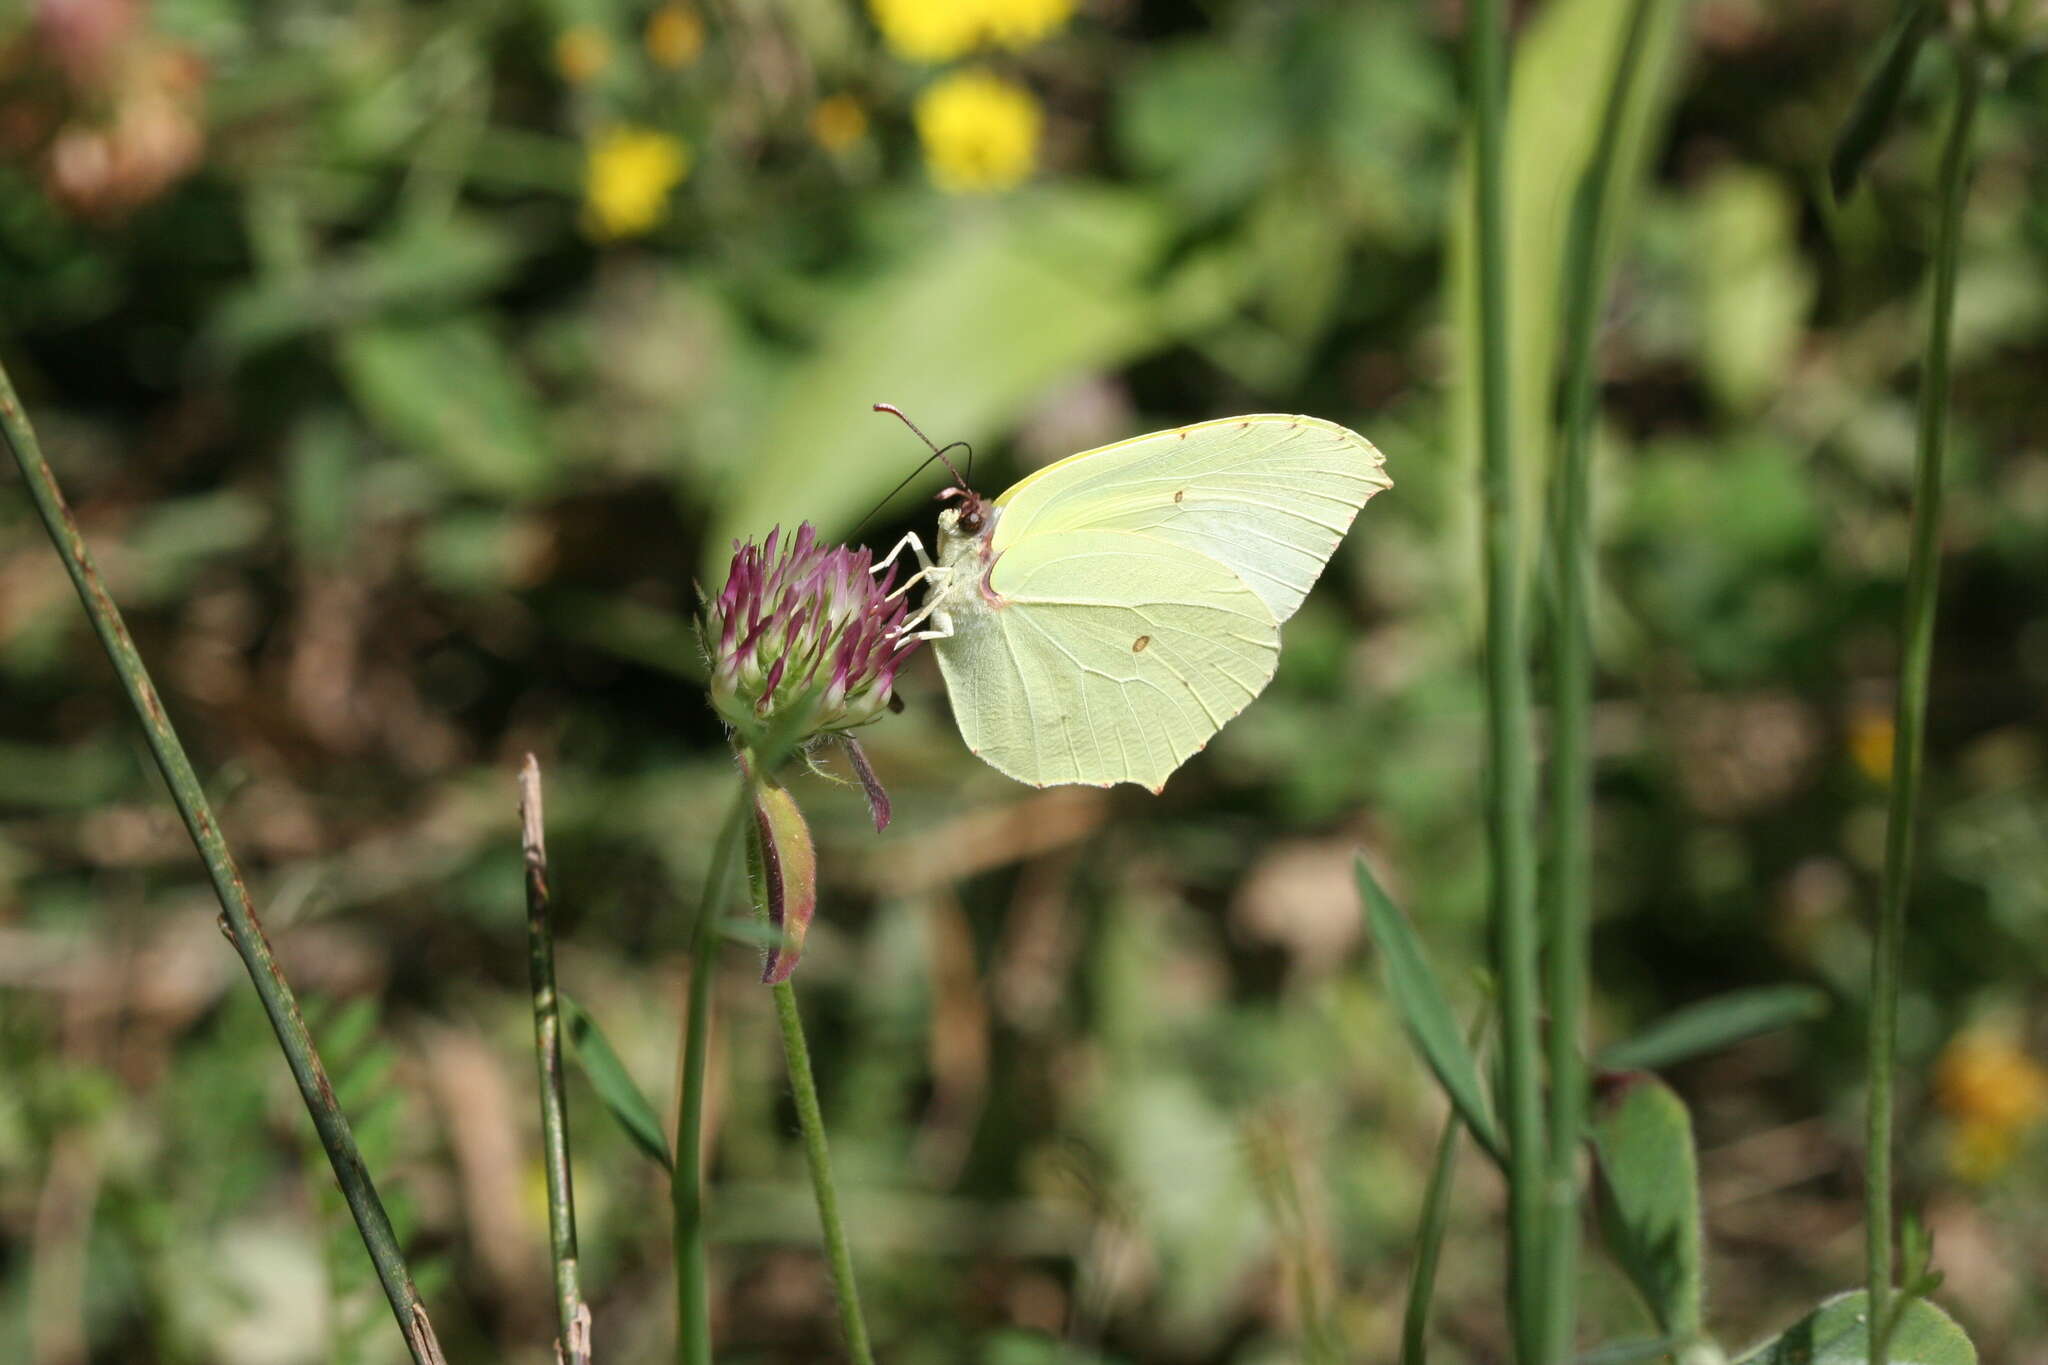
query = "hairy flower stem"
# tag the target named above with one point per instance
(1571, 647)
(1510, 768)
(1923, 574)
(812, 1121)
(572, 1318)
(238, 911)
(686, 1184)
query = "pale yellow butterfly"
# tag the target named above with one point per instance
(1102, 619)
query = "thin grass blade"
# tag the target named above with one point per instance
(615, 1087)
(1426, 1013)
(1877, 103)
(1714, 1024)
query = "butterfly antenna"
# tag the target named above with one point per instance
(922, 465)
(937, 453)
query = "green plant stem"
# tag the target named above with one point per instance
(812, 1121)
(1923, 574)
(572, 1317)
(1571, 676)
(238, 911)
(1429, 1245)
(686, 1185)
(1429, 1239)
(1510, 771)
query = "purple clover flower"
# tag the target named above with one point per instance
(803, 635)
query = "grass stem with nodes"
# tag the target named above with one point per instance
(1510, 768)
(572, 1316)
(1571, 677)
(237, 910)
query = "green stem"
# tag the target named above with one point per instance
(686, 1185)
(1923, 573)
(812, 1121)
(238, 912)
(572, 1317)
(1510, 770)
(1429, 1242)
(1571, 764)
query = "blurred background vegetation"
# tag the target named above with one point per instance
(408, 362)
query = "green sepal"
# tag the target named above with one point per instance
(784, 864)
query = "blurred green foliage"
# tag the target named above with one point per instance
(401, 472)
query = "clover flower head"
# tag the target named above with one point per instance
(803, 638)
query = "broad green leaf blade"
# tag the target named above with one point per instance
(1714, 1024)
(1838, 1333)
(996, 304)
(614, 1085)
(1750, 288)
(1552, 127)
(1426, 1014)
(1649, 1198)
(434, 264)
(449, 392)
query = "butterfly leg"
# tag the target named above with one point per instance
(941, 630)
(937, 580)
(918, 617)
(915, 546)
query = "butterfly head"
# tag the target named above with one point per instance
(971, 515)
(969, 523)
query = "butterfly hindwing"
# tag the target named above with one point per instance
(1113, 657)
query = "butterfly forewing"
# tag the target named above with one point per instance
(1268, 495)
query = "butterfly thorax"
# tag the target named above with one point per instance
(960, 579)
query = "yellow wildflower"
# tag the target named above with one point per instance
(675, 36)
(627, 180)
(1871, 737)
(1018, 24)
(838, 122)
(980, 132)
(940, 30)
(581, 53)
(1992, 1094)
(928, 30)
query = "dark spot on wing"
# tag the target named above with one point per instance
(1138, 645)
(1179, 493)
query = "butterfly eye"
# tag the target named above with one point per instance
(970, 520)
